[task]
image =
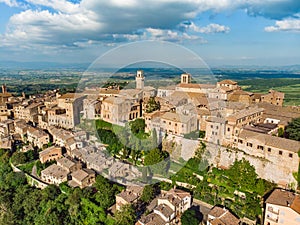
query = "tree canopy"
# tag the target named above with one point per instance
(152, 105)
(148, 193)
(189, 218)
(243, 174)
(293, 129)
(21, 204)
(126, 215)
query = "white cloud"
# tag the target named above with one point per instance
(208, 29)
(170, 35)
(66, 23)
(212, 28)
(62, 6)
(10, 3)
(292, 25)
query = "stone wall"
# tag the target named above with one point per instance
(278, 170)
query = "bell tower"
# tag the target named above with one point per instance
(185, 78)
(4, 89)
(140, 79)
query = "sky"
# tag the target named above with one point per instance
(221, 32)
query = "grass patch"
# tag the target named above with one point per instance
(27, 168)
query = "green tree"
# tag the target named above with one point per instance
(152, 105)
(155, 159)
(243, 175)
(148, 193)
(105, 195)
(260, 186)
(31, 205)
(18, 158)
(154, 156)
(199, 153)
(293, 129)
(280, 132)
(137, 126)
(126, 215)
(91, 213)
(189, 218)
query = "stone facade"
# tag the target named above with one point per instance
(49, 154)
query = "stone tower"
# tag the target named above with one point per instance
(140, 79)
(4, 88)
(185, 78)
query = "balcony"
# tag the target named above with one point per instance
(272, 218)
(272, 210)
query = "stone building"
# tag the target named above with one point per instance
(168, 209)
(37, 137)
(236, 121)
(215, 129)
(21, 128)
(49, 154)
(273, 97)
(128, 196)
(91, 109)
(69, 164)
(120, 109)
(223, 89)
(282, 207)
(163, 92)
(222, 216)
(140, 79)
(82, 178)
(7, 128)
(5, 95)
(171, 122)
(230, 84)
(186, 85)
(4, 112)
(67, 112)
(28, 111)
(280, 151)
(241, 96)
(54, 174)
(60, 136)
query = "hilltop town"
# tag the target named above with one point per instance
(117, 133)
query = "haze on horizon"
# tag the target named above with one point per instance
(229, 32)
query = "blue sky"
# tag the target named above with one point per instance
(222, 32)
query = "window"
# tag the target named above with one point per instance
(260, 147)
(280, 152)
(249, 144)
(228, 129)
(240, 141)
(211, 126)
(291, 155)
(269, 149)
(217, 127)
